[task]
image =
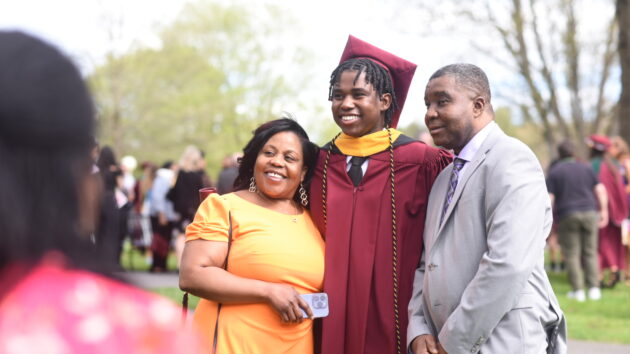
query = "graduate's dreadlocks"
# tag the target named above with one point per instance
(375, 75)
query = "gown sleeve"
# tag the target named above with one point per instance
(438, 159)
(211, 220)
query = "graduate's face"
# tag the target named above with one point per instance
(356, 107)
(452, 113)
(279, 167)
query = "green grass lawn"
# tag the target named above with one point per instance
(134, 260)
(606, 320)
(176, 295)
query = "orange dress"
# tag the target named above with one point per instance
(268, 246)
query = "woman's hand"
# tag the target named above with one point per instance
(202, 275)
(288, 303)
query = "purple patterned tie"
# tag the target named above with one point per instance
(457, 166)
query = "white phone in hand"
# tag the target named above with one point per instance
(318, 303)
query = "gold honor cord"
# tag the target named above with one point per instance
(394, 245)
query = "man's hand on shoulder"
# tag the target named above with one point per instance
(425, 344)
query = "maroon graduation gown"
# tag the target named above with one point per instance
(358, 276)
(612, 253)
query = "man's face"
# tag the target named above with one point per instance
(356, 107)
(450, 113)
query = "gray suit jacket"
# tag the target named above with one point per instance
(481, 284)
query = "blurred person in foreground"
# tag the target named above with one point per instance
(612, 253)
(274, 255)
(55, 292)
(369, 201)
(581, 207)
(481, 285)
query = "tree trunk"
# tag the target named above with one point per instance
(623, 19)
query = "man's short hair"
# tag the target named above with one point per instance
(566, 149)
(469, 76)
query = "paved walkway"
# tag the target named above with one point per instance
(583, 347)
(171, 279)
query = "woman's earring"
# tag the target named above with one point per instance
(303, 196)
(252, 185)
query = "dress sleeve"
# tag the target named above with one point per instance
(211, 220)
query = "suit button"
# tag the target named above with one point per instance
(432, 266)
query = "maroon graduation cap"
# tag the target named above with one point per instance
(598, 142)
(400, 70)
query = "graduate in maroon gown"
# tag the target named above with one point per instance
(373, 226)
(612, 253)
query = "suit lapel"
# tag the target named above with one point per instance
(479, 158)
(440, 189)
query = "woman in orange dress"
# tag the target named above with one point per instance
(275, 253)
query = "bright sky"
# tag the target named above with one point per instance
(79, 27)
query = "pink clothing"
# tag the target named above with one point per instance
(57, 310)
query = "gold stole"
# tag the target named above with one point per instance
(366, 145)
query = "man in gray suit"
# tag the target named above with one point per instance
(481, 285)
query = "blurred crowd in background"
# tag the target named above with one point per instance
(147, 205)
(590, 198)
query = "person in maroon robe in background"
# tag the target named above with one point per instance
(612, 253)
(356, 215)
